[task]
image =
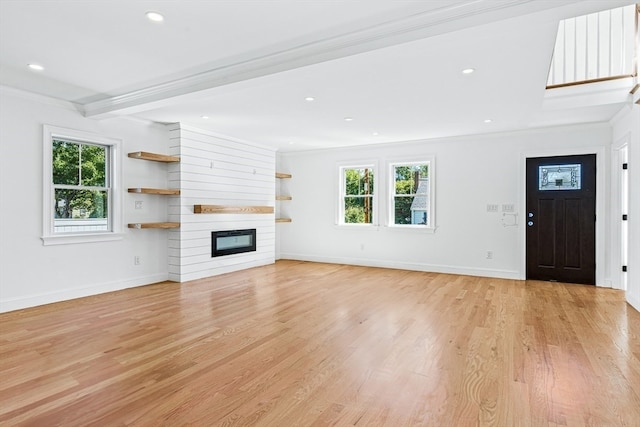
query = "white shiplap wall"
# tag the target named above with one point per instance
(215, 170)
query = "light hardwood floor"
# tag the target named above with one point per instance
(305, 344)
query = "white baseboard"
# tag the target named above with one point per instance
(633, 302)
(19, 303)
(212, 272)
(433, 268)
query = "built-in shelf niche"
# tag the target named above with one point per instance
(154, 157)
(283, 197)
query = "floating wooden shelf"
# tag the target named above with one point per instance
(163, 191)
(140, 225)
(143, 155)
(282, 175)
(225, 209)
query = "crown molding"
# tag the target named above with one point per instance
(456, 16)
(41, 99)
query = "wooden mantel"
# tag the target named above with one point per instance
(227, 209)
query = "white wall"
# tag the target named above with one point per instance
(471, 172)
(626, 129)
(215, 170)
(33, 274)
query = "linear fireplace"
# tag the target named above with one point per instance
(233, 242)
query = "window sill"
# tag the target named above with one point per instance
(80, 238)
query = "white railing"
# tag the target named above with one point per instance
(598, 46)
(69, 225)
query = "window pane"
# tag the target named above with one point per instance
(358, 181)
(411, 188)
(559, 177)
(357, 210)
(80, 210)
(93, 165)
(66, 162)
(404, 178)
(402, 206)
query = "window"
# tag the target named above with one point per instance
(411, 189)
(559, 177)
(80, 198)
(357, 195)
(80, 187)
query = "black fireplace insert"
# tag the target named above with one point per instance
(233, 242)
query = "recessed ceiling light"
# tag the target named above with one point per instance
(376, 134)
(488, 120)
(309, 98)
(154, 16)
(204, 117)
(291, 142)
(36, 67)
(468, 70)
(348, 119)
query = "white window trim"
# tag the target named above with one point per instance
(372, 164)
(391, 164)
(115, 212)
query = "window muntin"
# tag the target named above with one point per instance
(81, 187)
(411, 194)
(357, 196)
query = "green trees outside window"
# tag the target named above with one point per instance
(80, 180)
(411, 193)
(358, 195)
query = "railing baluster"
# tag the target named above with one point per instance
(598, 46)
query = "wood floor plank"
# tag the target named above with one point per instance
(310, 344)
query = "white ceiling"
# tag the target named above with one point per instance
(393, 66)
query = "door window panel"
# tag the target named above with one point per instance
(559, 177)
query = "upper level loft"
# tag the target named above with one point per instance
(595, 48)
(593, 72)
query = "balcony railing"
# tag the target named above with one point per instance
(595, 47)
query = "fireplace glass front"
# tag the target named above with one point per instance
(232, 242)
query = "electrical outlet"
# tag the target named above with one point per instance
(492, 208)
(136, 260)
(508, 207)
(489, 254)
(138, 204)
